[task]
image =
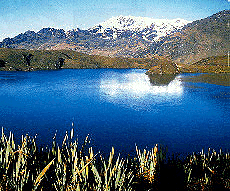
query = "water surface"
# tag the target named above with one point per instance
(116, 107)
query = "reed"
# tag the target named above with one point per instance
(147, 163)
(14, 162)
(208, 171)
(71, 166)
(65, 167)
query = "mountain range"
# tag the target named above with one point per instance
(198, 40)
(143, 27)
(137, 37)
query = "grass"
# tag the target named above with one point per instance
(32, 60)
(73, 167)
(215, 64)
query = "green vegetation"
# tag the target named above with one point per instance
(69, 167)
(74, 167)
(161, 80)
(30, 60)
(215, 64)
(195, 41)
(164, 66)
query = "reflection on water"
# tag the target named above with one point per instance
(161, 80)
(11, 77)
(222, 79)
(117, 108)
(136, 86)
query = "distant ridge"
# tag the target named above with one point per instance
(197, 40)
(125, 36)
(149, 28)
(137, 37)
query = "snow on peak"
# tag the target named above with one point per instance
(155, 28)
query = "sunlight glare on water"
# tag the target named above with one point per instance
(136, 86)
(118, 108)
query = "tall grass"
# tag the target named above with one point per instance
(208, 171)
(66, 167)
(71, 166)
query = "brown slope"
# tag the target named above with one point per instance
(29, 60)
(200, 39)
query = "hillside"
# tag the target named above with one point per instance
(29, 60)
(124, 36)
(145, 28)
(198, 40)
(84, 41)
(137, 37)
(214, 64)
(165, 46)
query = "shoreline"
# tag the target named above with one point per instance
(33, 60)
(72, 166)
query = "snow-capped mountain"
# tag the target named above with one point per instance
(136, 37)
(128, 26)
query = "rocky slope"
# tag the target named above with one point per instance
(197, 40)
(124, 36)
(145, 28)
(137, 37)
(30, 60)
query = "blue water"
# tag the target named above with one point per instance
(116, 107)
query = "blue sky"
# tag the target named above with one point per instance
(18, 16)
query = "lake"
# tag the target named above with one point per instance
(117, 107)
